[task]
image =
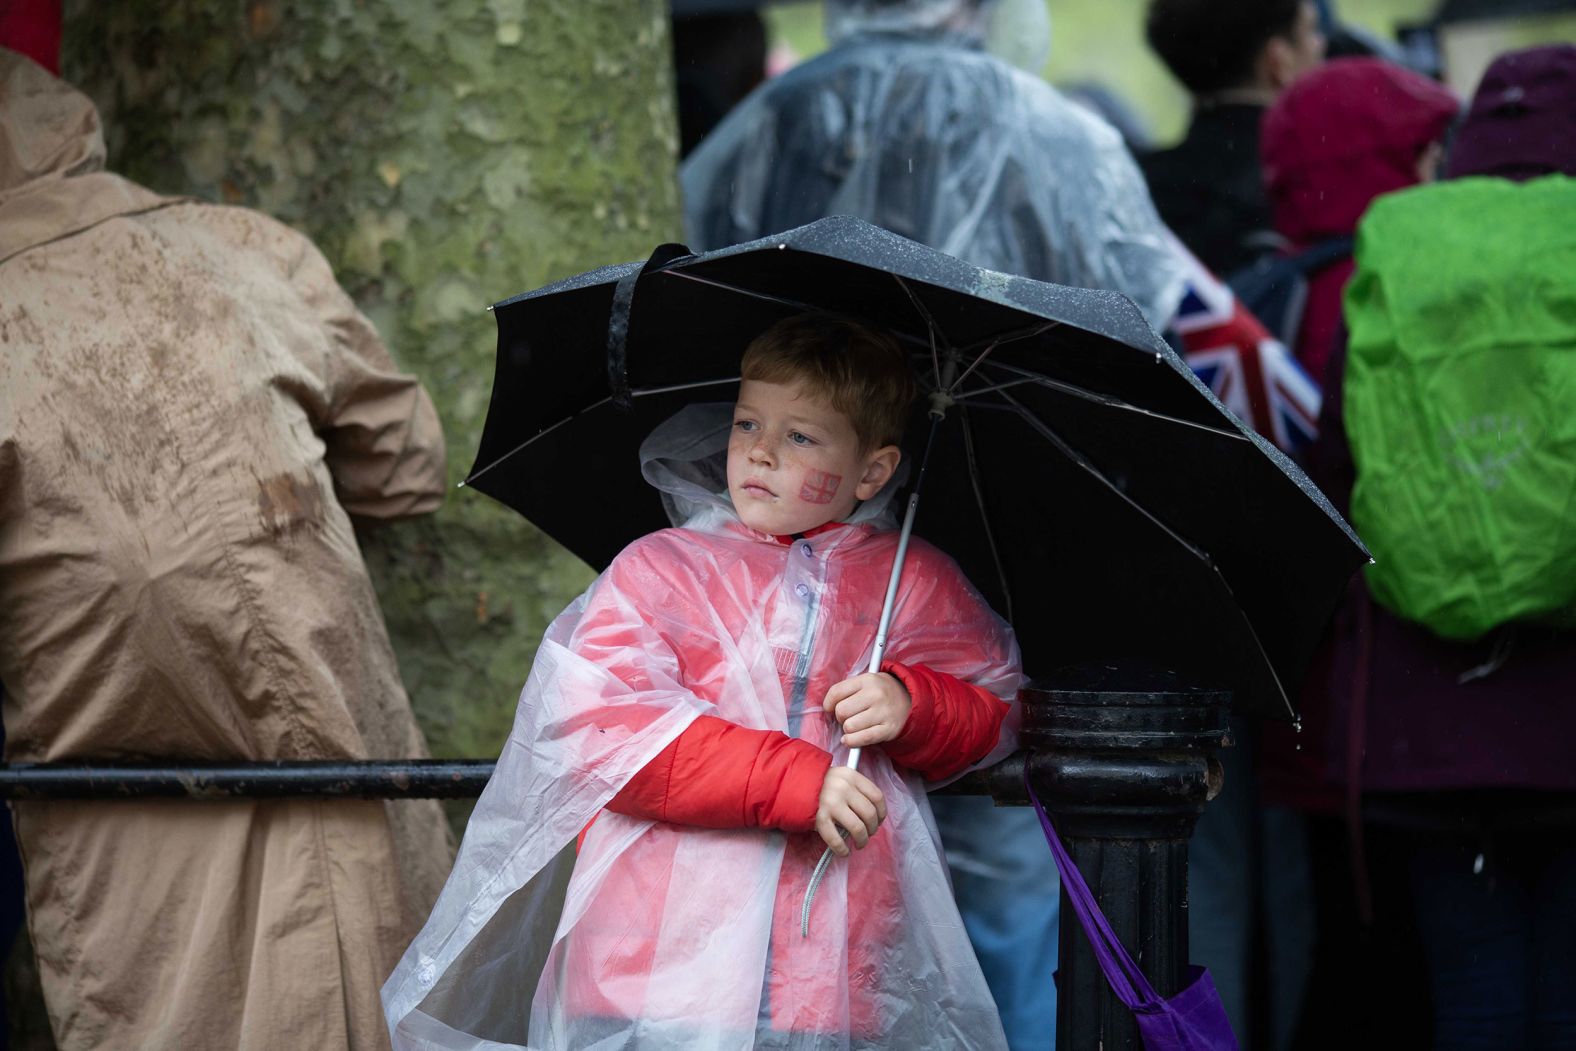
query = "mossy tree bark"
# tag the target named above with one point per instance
(443, 156)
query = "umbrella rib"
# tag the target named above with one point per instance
(963, 397)
(1009, 338)
(1108, 401)
(991, 342)
(544, 432)
(930, 325)
(684, 386)
(782, 300)
(808, 308)
(979, 499)
(592, 408)
(1081, 461)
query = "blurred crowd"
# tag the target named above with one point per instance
(1396, 870)
(1377, 275)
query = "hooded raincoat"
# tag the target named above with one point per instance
(909, 123)
(679, 936)
(190, 410)
(1343, 134)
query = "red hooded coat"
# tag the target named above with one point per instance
(1342, 135)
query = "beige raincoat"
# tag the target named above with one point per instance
(190, 410)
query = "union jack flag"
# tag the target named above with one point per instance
(1253, 374)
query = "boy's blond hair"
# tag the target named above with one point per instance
(857, 369)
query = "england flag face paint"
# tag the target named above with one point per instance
(793, 460)
(819, 487)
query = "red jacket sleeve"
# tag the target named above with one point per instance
(951, 726)
(719, 775)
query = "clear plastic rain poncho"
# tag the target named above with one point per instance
(682, 937)
(911, 123)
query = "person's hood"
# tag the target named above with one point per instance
(1016, 31)
(48, 129)
(686, 459)
(52, 181)
(1343, 134)
(1522, 122)
(923, 19)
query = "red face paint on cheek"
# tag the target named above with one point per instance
(820, 487)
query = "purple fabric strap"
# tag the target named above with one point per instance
(1127, 981)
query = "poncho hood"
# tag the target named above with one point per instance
(920, 19)
(686, 459)
(47, 127)
(1016, 31)
(50, 133)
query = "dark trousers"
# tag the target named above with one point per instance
(1367, 987)
(1497, 919)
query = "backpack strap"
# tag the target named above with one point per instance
(1325, 253)
(1274, 288)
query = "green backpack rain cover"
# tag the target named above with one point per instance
(1460, 402)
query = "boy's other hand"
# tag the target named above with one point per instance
(849, 800)
(871, 708)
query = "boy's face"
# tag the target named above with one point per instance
(794, 461)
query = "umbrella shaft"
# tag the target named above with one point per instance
(890, 602)
(887, 606)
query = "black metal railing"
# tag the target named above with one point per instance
(368, 779)
(1125, 767)
(341, 779)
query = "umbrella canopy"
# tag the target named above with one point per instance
(1090, 486)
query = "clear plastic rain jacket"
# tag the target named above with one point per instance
(909, 123)
(676, 936)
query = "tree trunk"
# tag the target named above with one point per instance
(443, 156)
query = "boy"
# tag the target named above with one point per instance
(692, 693)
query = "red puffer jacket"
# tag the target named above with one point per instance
(718, 775)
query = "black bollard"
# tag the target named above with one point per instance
(1124, 765)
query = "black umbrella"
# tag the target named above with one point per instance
(1090, 486)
